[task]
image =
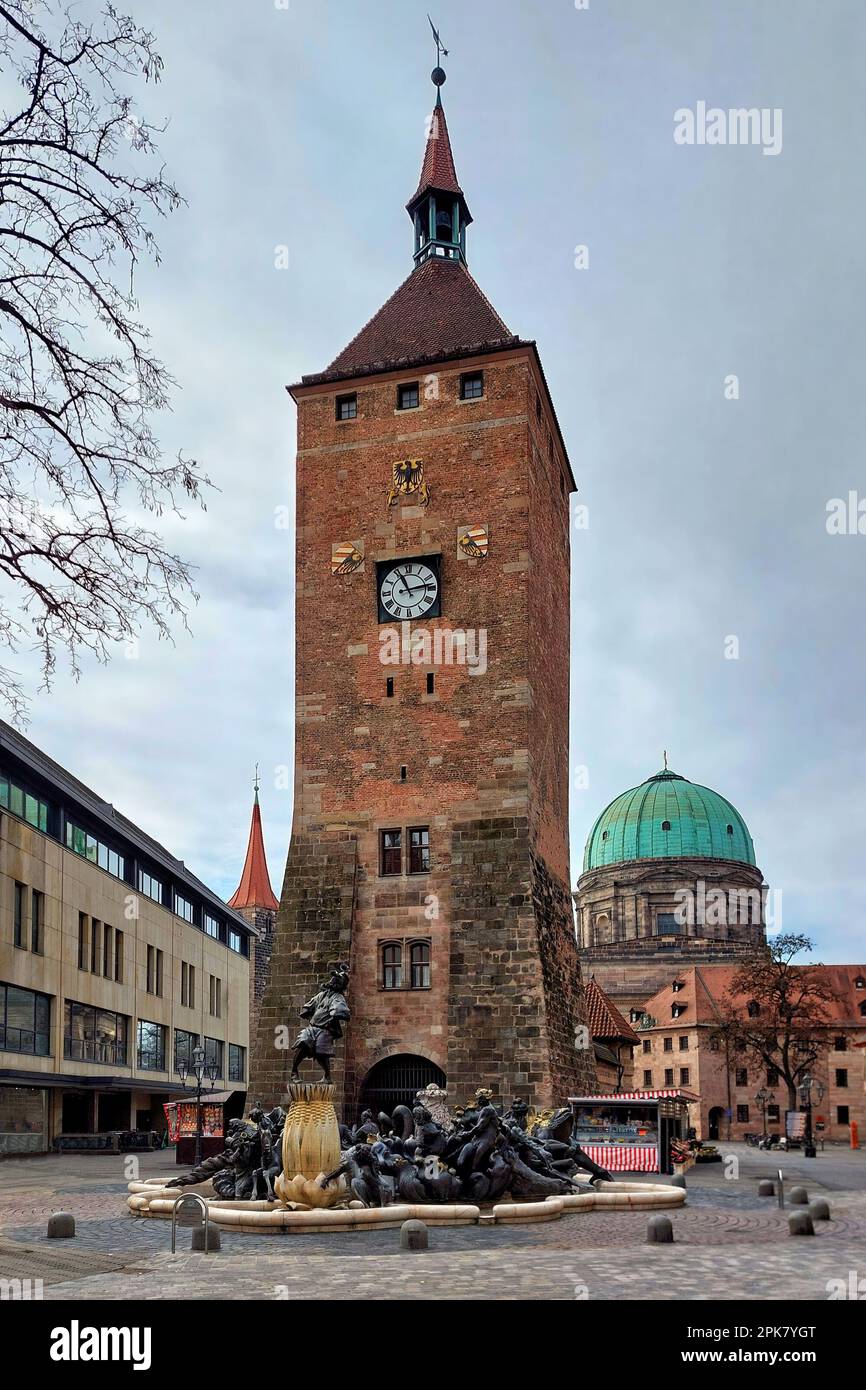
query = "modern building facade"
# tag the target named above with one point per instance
(429, 846)
(680, 1046)
(115, 961)
(669, 880)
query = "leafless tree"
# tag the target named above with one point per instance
(81, 473)
(776, 1012)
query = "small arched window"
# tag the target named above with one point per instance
(420, 964)
(392, 966)
(666, 825)
(604, 834)
(730, 830)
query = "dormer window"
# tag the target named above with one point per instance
(677, 985)
(677, 1010)
(860, 982)
(346, 407)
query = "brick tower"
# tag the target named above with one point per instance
(254, 898)
(429, 846)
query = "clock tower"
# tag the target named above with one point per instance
(429, 846)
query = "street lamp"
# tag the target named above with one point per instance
(201, 1070)
(762, 1100)
(809, 1087)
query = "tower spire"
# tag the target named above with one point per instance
(438, 208)
(254, 889)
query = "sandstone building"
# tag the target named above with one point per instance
(429, 846)
(680, 1046)
(115, 961)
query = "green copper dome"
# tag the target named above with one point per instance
(668, 817)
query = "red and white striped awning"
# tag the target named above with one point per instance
(674, 1094)
(624, 1158)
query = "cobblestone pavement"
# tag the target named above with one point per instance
(729, 1244)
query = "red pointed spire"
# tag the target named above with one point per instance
(437, 171)
(254, 889)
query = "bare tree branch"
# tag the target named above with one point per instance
(80, 465)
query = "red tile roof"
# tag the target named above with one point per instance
(438, 312)
(603, 1017)
(437, 170)
(254, 889)
(705, 990)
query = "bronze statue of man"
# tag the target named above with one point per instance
(326, 1012)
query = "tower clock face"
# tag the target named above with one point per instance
(409, 589)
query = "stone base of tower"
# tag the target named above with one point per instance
(516, 1016)
(313, 933)
(512, 1017)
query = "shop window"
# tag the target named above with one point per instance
(213, 1054)
(24, 1021)
(94, 1035)
(237, 1062)
(150, 1046)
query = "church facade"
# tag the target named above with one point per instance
(429, 847)
(669, 881)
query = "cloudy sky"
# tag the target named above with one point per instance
(303, 126)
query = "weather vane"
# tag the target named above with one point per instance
(256, 780)
(437, 76)
(665, 754)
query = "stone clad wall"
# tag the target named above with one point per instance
(313, 932)
(515, 992)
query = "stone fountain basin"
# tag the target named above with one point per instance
(154, 1199)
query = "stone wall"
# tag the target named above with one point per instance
(515, 998)
(313, 932)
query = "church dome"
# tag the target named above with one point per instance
(668, 817)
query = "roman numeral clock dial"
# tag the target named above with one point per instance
(409, 589)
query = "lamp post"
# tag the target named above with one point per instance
(762, 1100)
(807, 1087)
(200, 1070)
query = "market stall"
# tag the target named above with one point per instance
(182, 1119)
(632, 1131)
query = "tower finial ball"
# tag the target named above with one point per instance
(437, 76)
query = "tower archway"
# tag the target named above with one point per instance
(396, 1080)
